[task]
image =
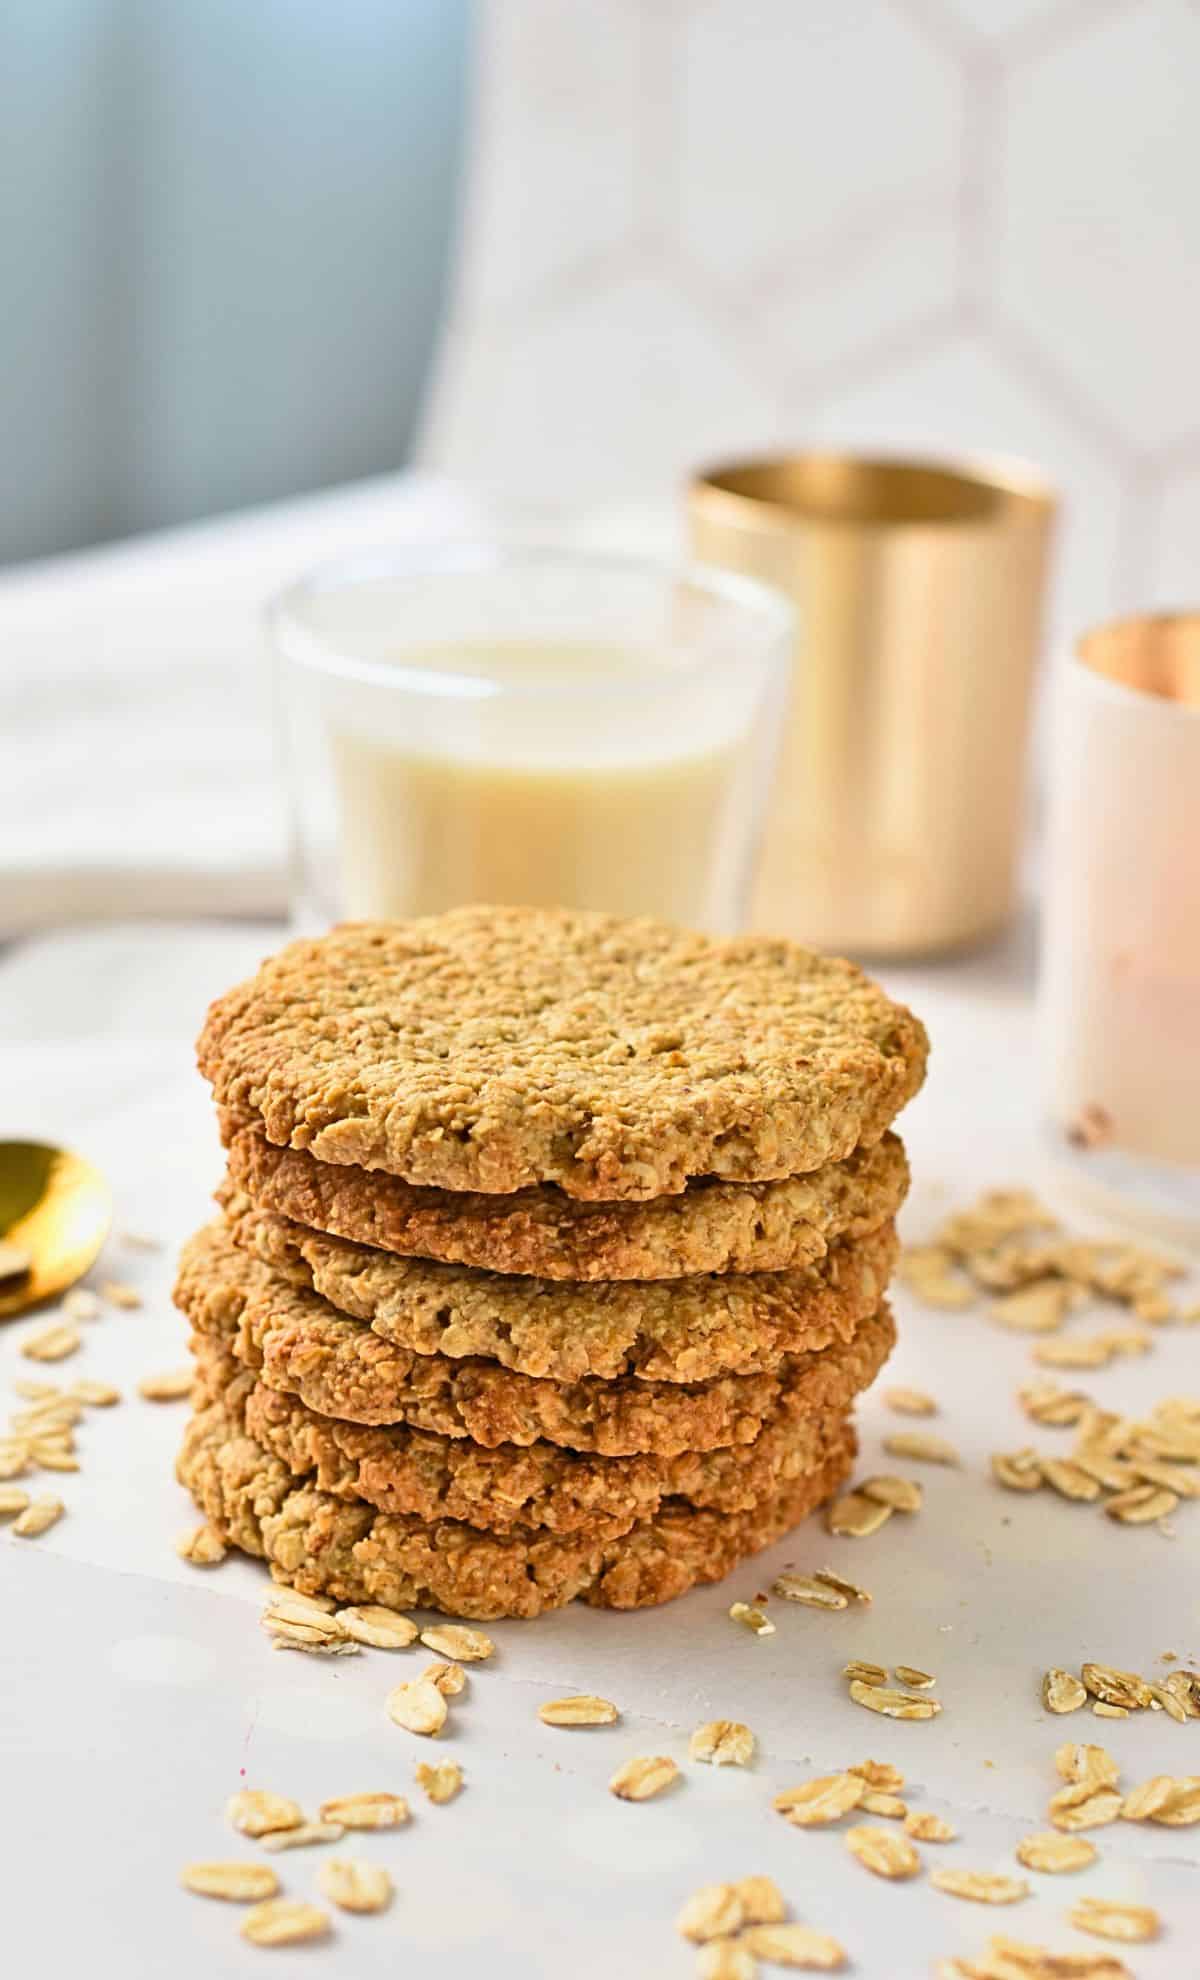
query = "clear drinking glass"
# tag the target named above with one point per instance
(1120, 991)
(525, 724)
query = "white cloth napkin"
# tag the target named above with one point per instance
(136, 739)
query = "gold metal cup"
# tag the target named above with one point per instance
(894, 824)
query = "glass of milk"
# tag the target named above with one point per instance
(525, 724)
(1120, 991)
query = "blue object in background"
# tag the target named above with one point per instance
(226, 227)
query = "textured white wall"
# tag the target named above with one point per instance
(698, 227)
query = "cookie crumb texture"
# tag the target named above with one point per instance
(324, 1545)
(399, 1470)
(670, 1330)
(540, 1231)
(493, 1048)
(301, 1346)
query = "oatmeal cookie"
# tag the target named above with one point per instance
(302, 1346)
(670, 1330)
(324, 1545)
(399, 1470)
(541, 1231)
(492, 1048)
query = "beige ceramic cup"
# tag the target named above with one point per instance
(895, 821)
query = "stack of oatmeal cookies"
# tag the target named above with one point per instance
(553, 1254)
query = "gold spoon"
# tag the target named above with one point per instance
(55, 1213)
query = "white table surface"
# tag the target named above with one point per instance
(137, 1693)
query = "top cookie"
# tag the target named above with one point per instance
(492, 1048)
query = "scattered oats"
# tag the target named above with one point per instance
(81, 1303)
(869, 1673)
(255, 1812)
(928, 1271)
(440, 1783)
(923, 1826)
(52, 1344)
(1181, 1807)
(712, 1912)
(321, 1605)
(855, 1517)
(36, 1391)
(901, 1494)
(1089, 1808)
(450, 1679)
(722, 1743)
(1083, 1353)
(876, 1803)
(365, 1811)
(1132, 1923)
(1016, 1470)
(1080, 1762)
(354, 1885)
(893, 1704)
(38, 1517)
(921, 1447)
(1107, 1471)
(57, 1413)
(173, 1385)
(303, 1835)
(1045, 1402)
(879, 1774)
(752, 1619)
(97, 1395)
(814, 1804)
(240, 1883)
(915, 1680)
(284, 1922)
(1172, 1477)
(1114, 1686)
(1127, 1340)
(1141, 1505)
(458, 1643)
(14, 1459)
(809, 1589)
(1103, 1711)
(725, 1959)
(762, 1900)
(1170, 1703)
(582, 1710)
(1156, 1308)
(293, 1625)
(1062, 1691)
(910, 1402)
(1010, 1959)
(117, 1293)
(841, 1586)
(980, 1886)
(139, 1241)
(1039, 1308)
(1182, 1686)
(883, 1851)
(202, 1545)
(12, 1500)
(418, 1708)
(1142, 1803)
(795, 1945)
(1049, 1851)
(1068, 1479)
(641, 1778)
(379, 1629)
(50, 1456)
